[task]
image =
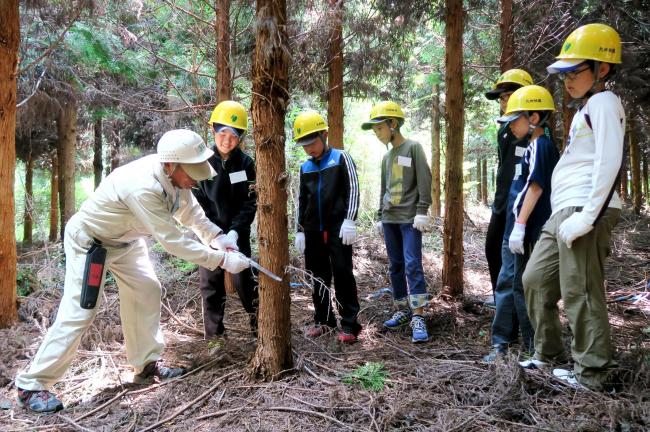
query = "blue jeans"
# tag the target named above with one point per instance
(404, 247)
(511, 313)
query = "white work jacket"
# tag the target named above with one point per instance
(138, 200)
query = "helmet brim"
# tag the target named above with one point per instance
(566, 65)
(368, 125)
(309, 139)
(509, 117)
(494, 93)
(199, 171)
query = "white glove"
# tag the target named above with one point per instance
(299, 243)
(573, 227)
(232, 234)
(421, 222)
(234, 262)
(379, 229)
(348, 232)
(224, 243)
(516, 241)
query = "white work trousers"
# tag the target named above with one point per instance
(139, 293)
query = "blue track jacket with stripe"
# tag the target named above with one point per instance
(329, 192)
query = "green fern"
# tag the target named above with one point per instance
(371, 376)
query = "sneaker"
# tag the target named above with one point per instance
(399, 319)
(533, 363)
(156, 369)
(318, 330)
(568, 377)
(41, 401)
(490, 303)
(346, 337)
(499, 351)
(419, 329)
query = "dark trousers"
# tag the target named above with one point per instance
(493, 243)
(213, 293)
(326, 256)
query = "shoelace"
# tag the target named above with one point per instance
(399, 316)
(418, 324)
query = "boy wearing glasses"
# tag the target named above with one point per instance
(568, 260)
(403, 205)
(230, 201)
(509, 153)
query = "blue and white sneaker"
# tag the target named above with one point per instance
(419, 329)
(399, 319)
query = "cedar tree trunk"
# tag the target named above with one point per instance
(270, 98)
(452, 265)
(335, 73)
(67, 134)
(9, 42)
(54, 199)
(435, 152)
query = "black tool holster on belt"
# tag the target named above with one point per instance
(93, 272)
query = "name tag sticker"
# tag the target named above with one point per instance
(517, 170)
(404, 161)
(519, 151)
(238, 177)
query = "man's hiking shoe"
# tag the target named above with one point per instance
(398, 320)
(419, 329)
(346, 337)
(318, 330)
(499, 351)
(41, 401)
(156, 369)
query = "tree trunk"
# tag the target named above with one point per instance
(567, 117)
(635, 166)
(645, 178)
(484, 180)
(222, 29)
(67, 134)
(625, 196)
(270, 100)
(435, 152)
(224, 89)
(28, 217)
(335, 73)
(54, 199)
(98, 166)
(452, 266)
(114, 155)
(479, 176)
(507, 36)
(9, 42)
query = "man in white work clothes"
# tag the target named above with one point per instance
(146, 197)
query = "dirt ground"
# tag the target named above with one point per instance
(438, 386)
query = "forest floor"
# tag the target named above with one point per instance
(383, 382)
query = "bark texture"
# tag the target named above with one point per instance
(335, 74)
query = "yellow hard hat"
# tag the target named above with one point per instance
(598, 42)
(230, 113)
(528, 98)
(307, 123)
(381, 111)
(512, 76)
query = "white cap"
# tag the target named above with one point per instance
(199, 171)
(182, 146)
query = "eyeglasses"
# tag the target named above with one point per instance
(571, 75)
(505, 96)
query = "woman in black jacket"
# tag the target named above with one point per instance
(229, 200)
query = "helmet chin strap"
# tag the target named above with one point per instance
(577, 103)
(389, 122)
